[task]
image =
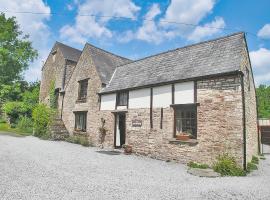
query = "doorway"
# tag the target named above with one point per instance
(120, 130)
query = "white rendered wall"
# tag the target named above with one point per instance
(108, 102)
(162, 96)
(139, 98)
(184, 93)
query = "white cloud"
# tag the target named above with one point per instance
(187, 11)
(264, 32)
(35, 26)
(70, 7)
(260, 61)
(87, 27)
(209, 29)
(149, 31)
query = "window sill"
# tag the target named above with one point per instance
(190, 142)
(77, 132)
(81, 101)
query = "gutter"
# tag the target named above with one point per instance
(244, 124)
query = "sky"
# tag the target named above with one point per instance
(139, 28)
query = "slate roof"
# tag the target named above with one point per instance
(68, 52)
(105, 62)
(212, 57)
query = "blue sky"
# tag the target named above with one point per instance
(146, 32)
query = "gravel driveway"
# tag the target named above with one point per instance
(35, 169)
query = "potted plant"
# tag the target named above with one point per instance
(127, 148)
(184, 136)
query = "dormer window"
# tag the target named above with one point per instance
(83, 85)
(122, 98)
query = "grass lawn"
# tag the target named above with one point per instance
(7, 130)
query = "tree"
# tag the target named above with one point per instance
(263, 97)
(16, 51)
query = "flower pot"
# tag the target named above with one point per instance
(128, 149)
(182, 137)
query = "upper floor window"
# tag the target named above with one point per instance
(122, 98)
(83, 85)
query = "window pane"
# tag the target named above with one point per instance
(122, 99)
(83, 89)
(186, 120)
(80, 121)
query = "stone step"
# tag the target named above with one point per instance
(58, 130)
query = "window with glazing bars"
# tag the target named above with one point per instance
(122, 98)
(80, 121)
(186, 120)
(83, 89)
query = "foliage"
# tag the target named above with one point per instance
(28, 100)
(263, 97)
(198, 165)
(251, 167)
(16, 52)
(6, 129)
(25, 124)
(255, 160)
(42, 116)
(53, 99)
(262, 156)
(102, 132)
(14, 109)
(79, 140)
(227, 166)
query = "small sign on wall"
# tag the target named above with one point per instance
(136, 123)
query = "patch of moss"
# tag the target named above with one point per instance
(198, 165)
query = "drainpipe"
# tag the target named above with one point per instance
(244, 123)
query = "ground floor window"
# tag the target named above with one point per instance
(186, 120)
(80, 121)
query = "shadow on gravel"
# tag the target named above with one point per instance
(111, 153)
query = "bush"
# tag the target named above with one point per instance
(13, 109)
(197, 165)
(42, 116)
(79, 140)
(251, 166)
(227, 166)
(255, 160)
(25, 124)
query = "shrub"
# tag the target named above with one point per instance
(25, 124)
(79, 140)
(251, 166)
(13, 109)
(197, 165)
(42, 116)
(227, 166)
(255, 160)
(2, 120)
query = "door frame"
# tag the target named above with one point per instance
(116, 115)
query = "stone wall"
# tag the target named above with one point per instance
(85, 69)
(53, 70)
(219, 126)
(250, 108)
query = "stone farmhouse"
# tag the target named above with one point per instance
(205, 91)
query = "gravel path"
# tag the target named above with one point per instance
(35, 169)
